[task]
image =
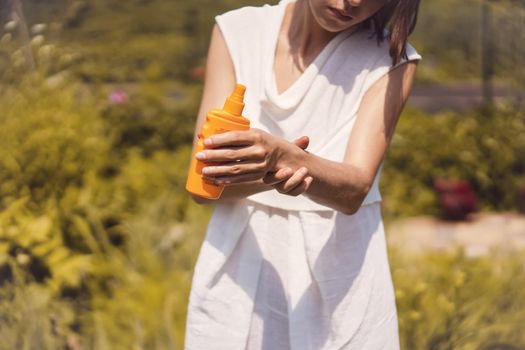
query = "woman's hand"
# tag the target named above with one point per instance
(242, 156)
(288, 182)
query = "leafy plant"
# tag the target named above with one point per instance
(480, 148)
(451, 301)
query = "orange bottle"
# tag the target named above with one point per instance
(228, 118)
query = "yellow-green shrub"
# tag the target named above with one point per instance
(485, 149)
(450, 301)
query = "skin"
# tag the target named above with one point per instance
(258, 161)
(308, 26)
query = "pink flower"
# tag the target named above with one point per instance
(118, 96)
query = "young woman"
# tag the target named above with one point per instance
(295, 255)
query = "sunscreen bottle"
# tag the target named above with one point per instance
(228, 118)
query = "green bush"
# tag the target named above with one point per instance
(31, 317)
(98, 238)
(450, 301)
(84, 218)
(482, 147)
(150, 120)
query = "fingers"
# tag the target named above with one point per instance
(302, 187)
(302, 142)
(229, 180)
(231, 154)
(293, 181)
(269, 178)
(296, 184)
(285, 180)
(236, 168)
(233, 138)
(280, 175)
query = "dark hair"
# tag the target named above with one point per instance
(399, 17)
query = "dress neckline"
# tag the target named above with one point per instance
(293, 94)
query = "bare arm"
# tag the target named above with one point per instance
(338, 185)
(343, 186)
(219, 82)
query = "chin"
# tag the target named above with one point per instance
(334, 27)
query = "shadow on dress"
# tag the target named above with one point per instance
(334, 267)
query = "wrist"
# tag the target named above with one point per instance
(291, 156)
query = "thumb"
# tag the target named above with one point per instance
(302, 142)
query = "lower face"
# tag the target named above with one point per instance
(327, 13)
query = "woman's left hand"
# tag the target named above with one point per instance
(242, 156)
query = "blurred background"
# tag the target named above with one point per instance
(98, 237)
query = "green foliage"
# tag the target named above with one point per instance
(151, 284)
(450, 301)
(482, 147)
(42, 160)
(155, 40)
(97, 235)
(150, 120)
(142, 60)
(139, 41)
(137, 296)
(31, 317)
(449, 37)
(85, 217)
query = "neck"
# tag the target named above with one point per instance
(305, 35)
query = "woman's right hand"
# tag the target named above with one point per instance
(288, 182)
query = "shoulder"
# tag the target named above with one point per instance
(244, 33)
(379, 53)
(374, 58)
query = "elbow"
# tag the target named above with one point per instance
(358, 197)
(351, 209)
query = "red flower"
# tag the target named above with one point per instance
(197, 72)
(456, 198)
(521, 199)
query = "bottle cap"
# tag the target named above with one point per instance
(235, 103)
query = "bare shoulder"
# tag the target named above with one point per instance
(395, 85)
(219, 78)
(220, 73)
(377, 117)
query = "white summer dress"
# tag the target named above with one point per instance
(281, 272)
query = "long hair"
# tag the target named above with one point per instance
(399, 17)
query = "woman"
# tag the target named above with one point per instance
(295, 255)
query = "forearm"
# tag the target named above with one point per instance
(235, 192)
(340, 186)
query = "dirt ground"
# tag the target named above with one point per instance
(478, 236)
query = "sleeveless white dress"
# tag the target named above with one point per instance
(281, 272)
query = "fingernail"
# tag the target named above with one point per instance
(207, 142)
(200, 155)
(206, 171)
